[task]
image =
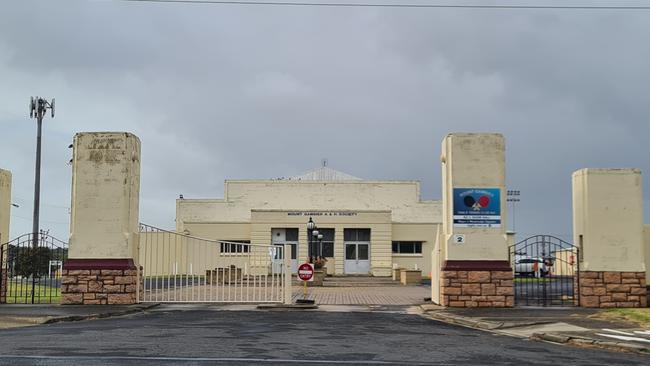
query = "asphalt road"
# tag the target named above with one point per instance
(203, 336)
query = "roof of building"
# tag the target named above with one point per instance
(324, 173)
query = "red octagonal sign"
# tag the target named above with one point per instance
(306, 272)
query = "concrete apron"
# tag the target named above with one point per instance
(563, 326)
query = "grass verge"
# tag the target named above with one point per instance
(21, 293)
(639, 316)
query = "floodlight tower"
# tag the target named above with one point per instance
(513, 197)
(37, 109)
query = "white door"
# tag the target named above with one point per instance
(279, 238)
(357, 258)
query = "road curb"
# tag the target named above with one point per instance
(591, 342)
(288, 307)
(480, 323)
(99, 315)
(464, 321)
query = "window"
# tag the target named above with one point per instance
(327, 245)
(291, 234)
(407, 247)
(356, 235)
(232, 246)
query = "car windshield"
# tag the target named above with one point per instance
(529, 260)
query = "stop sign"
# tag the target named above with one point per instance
(306, 272)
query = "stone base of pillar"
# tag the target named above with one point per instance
(605, 289)
(477, 284)
(99, 282)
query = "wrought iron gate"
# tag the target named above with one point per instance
(183, 268)
(30, 270)
(546, 271)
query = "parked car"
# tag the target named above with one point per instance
(534, 267)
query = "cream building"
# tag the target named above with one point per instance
(368, 227)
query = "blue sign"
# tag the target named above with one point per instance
(477, 207)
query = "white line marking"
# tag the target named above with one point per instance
(217, 359)
(642, 332)
(624, 338)
(617, 331)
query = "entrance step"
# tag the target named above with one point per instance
(359, 281)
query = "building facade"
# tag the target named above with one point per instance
(368, 227)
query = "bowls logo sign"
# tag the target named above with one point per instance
(477, 207)
(483, 201)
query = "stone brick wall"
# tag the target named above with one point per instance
(99, 282)
(491, 288)
(99, 286)
(600, 289)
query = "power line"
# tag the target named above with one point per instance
(43, 203)
(45, 221)
(397, 5)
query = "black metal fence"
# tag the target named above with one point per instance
(546, 271)
(30, 269)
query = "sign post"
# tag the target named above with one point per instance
(306, 274)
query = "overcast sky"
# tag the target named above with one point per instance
(223, 92)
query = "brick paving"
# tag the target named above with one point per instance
(377, 295)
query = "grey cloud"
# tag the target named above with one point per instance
(217, 92)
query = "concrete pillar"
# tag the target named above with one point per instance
(473, 245)
(608, 229)
(5, 205)
(5, 215)
(102, 259)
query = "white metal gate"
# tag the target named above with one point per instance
(183, 268)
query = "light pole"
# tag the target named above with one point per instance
(320, 245)
(37, 109)
(311, 227)
(315, 238)
(513, 197)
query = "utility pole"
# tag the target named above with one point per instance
(37, 109)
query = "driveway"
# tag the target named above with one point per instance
(376, 295)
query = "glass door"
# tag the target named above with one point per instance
(357, 258)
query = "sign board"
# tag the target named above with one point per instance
(477, 207)
(306, 272)
(322, 213)
(459, 238)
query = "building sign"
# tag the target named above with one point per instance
(321, 213)
(477, 207)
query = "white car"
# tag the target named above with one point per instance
(534, 267)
